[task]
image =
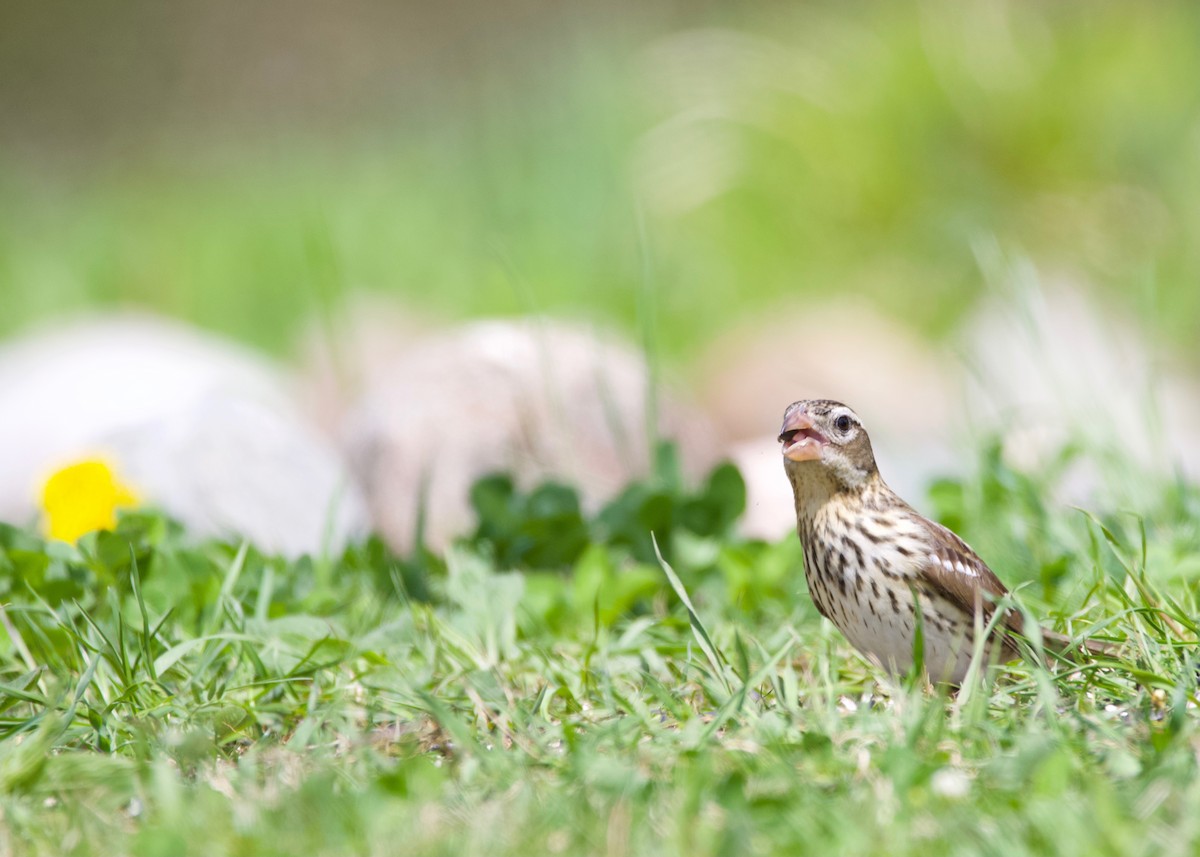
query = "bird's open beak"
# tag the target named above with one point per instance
(801, 442)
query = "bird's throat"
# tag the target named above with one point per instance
(813, 488)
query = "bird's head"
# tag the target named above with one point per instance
(825, 441)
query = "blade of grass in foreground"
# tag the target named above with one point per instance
(702, 637)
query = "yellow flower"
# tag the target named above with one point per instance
(83, 497)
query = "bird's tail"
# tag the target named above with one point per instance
(1061, 644)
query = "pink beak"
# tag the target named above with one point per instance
(801, 442)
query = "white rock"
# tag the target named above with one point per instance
(533, 397)
(1048, 365)
(198, 426)
(353, 348)
(770, 513)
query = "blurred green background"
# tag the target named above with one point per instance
(664, 166)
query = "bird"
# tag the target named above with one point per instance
(874, 564)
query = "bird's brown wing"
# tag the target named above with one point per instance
(957, 573)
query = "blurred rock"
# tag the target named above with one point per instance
(1052, 366)
(354, 349)
(535, 397)
(197, 426)
(769, 511)
(841, 350)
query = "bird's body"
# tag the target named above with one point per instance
(870, 559)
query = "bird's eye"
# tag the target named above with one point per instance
(842, 423)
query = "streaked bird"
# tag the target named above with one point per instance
(874, 564)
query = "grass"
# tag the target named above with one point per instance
(165, 698)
